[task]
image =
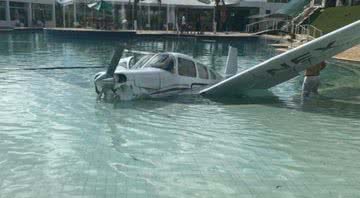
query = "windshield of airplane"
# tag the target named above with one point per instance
(142, 61)
(161, 61)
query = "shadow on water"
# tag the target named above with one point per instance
(340, 93)
(264, 97)
(332, 108)
(261, 97)
(347, 106)
(341, 102)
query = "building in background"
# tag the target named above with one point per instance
(135, 14)
(25, 13)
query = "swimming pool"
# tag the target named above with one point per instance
(56, 140)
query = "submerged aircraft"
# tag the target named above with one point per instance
(158, 75)
(164, 74)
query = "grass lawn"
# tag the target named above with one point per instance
(331, 19)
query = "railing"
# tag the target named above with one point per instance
(307, 13)
(313, 31)
(265, 25)
(301, 33)
(288, 26)
(300, 18)
(301, 15)
(305, 33)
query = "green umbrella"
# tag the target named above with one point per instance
(100, 5)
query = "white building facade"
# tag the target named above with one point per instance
(27, 13)
(45, 13)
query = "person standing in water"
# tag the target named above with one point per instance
(312, 80)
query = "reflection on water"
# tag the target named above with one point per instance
(56, 140)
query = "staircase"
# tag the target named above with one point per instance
(303, 16)
(265, 26)
(288, 26)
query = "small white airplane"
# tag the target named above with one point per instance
(158, 75)
(164, 74)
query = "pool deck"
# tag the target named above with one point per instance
(350, 55)
(192, 34)
(142, 33)
(145, 33)
(21, 29)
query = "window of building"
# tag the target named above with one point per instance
(186, 68)
(2, 10)
(41, 12)
(268, 11)
(18, 11)
(203, 72)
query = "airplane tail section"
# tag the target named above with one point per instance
(231, 62)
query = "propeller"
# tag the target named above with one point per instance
(115, 61)
(104, 80)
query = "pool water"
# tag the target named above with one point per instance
(57, 140)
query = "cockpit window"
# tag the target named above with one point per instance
(161, 61)
(186, 68)
(203, 71)
(142, 61)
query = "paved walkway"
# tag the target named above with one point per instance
(352, 54)
(191, 33)
(156, 33)
(153, 33)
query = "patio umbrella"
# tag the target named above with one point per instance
(65, 2)
(205, 1)
(100, 5)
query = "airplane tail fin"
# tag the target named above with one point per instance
(231, 62)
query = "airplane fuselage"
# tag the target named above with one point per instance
(156, 75)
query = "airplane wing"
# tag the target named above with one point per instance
(285, 66)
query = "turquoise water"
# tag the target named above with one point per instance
(56, 140)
